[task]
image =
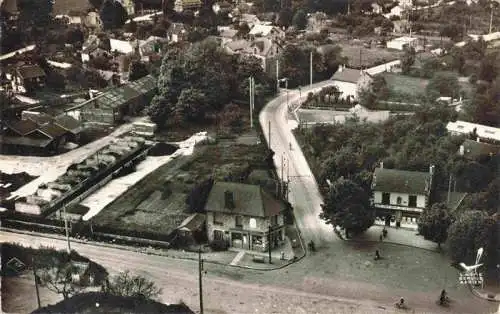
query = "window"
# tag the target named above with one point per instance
(412, 202)
(274, 220)
(386, 198)
(218, 235)
(239, 221)
(253, 223)
(218, 219)
(399, 200)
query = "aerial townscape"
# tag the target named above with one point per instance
(234, 157)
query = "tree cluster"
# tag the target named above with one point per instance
(197, 82)
(295, 63)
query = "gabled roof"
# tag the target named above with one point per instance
(263, 30)
(25, 141)
(37, 117)
(22, 127)
(401, 181)
(473, 149)
(52, 130)
(249, 200)
(482, 131)
(347, 75)
(193, 222)
(238, 45)
(68, 123)
(30, 71)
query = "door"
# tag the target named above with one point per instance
(218, 235)
(386, 198)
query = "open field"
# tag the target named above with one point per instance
(367, 57)
(403, 84)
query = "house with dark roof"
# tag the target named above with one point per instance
(26, 78)
(401, 193)
(244, 216)
(474, 150)
(72, 127)
(29, 137)
(350, 81)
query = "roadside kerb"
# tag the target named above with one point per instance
(484, 295)
(127, 248)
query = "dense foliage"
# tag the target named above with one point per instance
(348, 205)
(198, 81)
(434, 222)
(472, 230)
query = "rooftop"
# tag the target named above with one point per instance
(401, 181)
(482, 131)
(30, 71)
(473, 149)
(249, 200)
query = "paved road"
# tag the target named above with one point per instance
(227, 290)
(304, 193)
(179, 281)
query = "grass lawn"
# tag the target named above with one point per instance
(369, 56)
(403, 84)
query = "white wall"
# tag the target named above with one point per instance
(347, 89)
(27, 208)
(421, 199)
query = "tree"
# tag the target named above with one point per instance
(285, 17)
(137, 70)
(348, 205)
(407, 59)
(159, 110)
(113, 14)
(127, 285)
(59, 278)
(35, 12)
(444, 84)
(191, 105)
(300, 19)
(434, 223)
(457, 60)
(470, 231)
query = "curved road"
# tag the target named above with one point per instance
(304, 193)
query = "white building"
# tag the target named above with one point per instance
(401, 42)
(482, 131)
(401, 193)
(349, 81)
(260, 30)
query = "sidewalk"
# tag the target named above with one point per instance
(401, 236)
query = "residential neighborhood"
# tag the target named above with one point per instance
(250, 157)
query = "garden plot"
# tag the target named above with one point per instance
(107, 194)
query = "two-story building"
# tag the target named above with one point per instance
(244, 216)
(400, 193)
(350, 81)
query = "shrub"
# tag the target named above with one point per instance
(219, 245)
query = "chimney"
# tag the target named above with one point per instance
(382, 164)
(228, 200)
(462, 150)
(431, 169)
(478, 140)
(341, 68)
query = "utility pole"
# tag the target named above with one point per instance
(251, 106)
(491, 17)
(278, 75)
(269, 131)
(449, 190)
(66, 228)
(200, 270)
(348, 7)
(287, 179)
(36, 282)
(360, 57)
(282, 178)
(311, 68)
(269, 244)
